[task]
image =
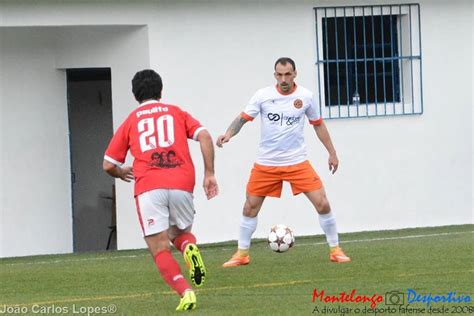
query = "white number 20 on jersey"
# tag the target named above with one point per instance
(163, 131)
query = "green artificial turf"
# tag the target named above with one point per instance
(432, 261)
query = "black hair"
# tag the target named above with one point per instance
(147, 84)
(284, 61)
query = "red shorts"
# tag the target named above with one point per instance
(268, 180)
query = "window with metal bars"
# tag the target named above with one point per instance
(369, 60)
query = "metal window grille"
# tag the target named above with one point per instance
(369, 60)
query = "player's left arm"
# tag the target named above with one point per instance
(207, 148)
(197, 132)
(323, 135)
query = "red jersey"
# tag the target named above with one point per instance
(157, 136)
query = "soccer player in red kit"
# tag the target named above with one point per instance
(157, 136)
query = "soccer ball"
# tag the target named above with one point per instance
(280, 238)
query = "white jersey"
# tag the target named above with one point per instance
(282, 116)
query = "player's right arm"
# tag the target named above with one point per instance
(124, 173)
(251, 111)
(232, 130)
(116, 153)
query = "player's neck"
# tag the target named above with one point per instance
(148, 100)
(290, 91)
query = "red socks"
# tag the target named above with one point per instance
(169, 268)
(170, 272)
(182, 240)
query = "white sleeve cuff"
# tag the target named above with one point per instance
(196, 132)
(111, 160)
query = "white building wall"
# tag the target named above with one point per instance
(1, 149)
(472, 111)
(36, 212)
(389, 175)
(213, 55)
(36, 202)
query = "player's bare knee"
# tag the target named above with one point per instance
(250, 210)
(158, 242)
(157, 248)
(174, 232)
(323, 206)
(163, 246)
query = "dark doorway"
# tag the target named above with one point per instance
(90, 127)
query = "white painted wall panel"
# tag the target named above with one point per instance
(36, 188)
(36, 199)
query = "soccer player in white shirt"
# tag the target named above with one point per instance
(282, 156)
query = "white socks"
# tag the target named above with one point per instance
(328, 224)
(248, 225)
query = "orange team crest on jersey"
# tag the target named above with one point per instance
(298, 103)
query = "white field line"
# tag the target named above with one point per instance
(391, 238)
(225, 249)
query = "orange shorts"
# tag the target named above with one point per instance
(268, 180)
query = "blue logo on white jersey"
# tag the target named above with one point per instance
(283, 119)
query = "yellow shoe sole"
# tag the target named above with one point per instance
(197, 270)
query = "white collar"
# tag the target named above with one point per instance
(148, 102)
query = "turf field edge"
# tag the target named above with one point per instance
(343, 237)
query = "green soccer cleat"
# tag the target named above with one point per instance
(197, 270)
(187, 302)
